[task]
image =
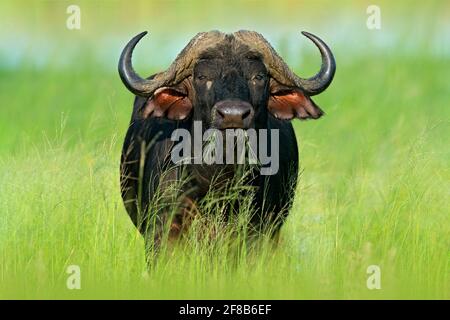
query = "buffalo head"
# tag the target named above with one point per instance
(228, 81)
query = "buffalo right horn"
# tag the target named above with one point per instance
(180, 69)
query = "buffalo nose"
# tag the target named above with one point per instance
(233, 114)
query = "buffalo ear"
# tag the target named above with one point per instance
(289, 103)
(169, 103)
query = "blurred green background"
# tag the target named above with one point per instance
(375, 170)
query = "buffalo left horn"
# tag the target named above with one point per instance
(281, 72)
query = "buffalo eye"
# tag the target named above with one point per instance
(201, 77)
(259, 77)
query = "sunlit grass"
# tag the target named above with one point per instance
(374, 190)
(374, 185)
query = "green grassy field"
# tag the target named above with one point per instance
(374, 188)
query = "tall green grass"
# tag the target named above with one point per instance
(374, 184)
(373, 191)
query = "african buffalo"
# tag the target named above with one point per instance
(224, 81)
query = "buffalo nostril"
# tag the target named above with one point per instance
(221, 113)
(245, 114)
